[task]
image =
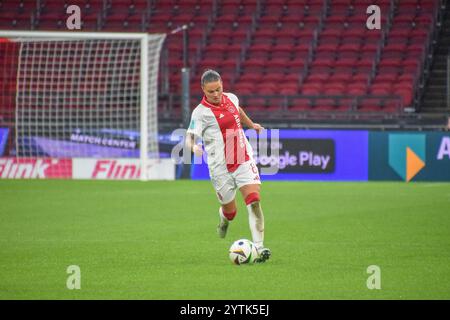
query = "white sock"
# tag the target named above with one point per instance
(256, 222)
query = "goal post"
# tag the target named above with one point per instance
(85, 95)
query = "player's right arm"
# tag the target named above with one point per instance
(194, 132)
(196, 148)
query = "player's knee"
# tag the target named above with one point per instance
(253, 199)
(229, 215)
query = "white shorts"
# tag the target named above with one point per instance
(226, 184)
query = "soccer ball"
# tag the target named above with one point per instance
(243, 251)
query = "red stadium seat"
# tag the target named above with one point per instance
(318, 77)
(266, 87)
(335, 85)
(244, 86)
(274, 77)
(279, 62)
(406, 93)
(370, 105)
(253, 103)
(288, 90)
(327, 47)
(311, 88)
(323, 62)
(385, 77)
(345, 62)
(361, 77)
(380, 89)
(276, 104)
(330, 35)
(258, 63)
(255, 53)
(292, 78)
(407, 77)
(324, 104)
(251, 77)
(391, 105)
(333, 91)
(356, 90)
(355, 47)
(342, 77)
(299, 104)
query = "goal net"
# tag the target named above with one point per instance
(79, 95)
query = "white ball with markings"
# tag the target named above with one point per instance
(243, 251)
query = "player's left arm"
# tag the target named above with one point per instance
(248, 122)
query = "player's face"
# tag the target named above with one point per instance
(213, 92)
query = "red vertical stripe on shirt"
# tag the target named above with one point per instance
(228, 119)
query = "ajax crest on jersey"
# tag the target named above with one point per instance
(243, 251)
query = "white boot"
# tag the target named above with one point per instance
(222, 228)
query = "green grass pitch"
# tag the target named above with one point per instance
(157, 240)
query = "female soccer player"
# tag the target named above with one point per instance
(217, 121)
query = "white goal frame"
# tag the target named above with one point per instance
(145, 104)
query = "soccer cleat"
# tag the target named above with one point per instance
(222, 228)
(264, 254)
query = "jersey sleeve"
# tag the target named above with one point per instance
(196, 124)
(233, 99)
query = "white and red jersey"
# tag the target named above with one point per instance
(221, 131)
